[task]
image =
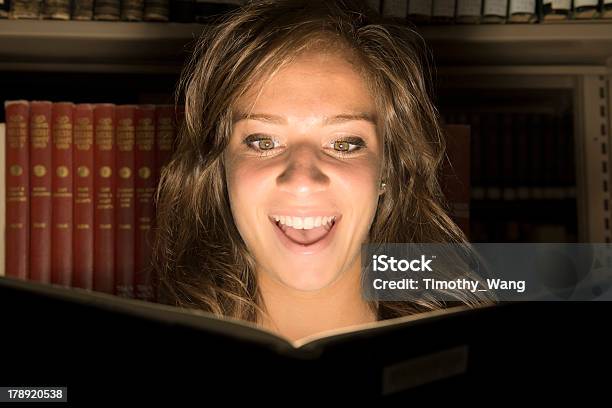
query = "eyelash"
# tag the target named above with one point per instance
(358, 142)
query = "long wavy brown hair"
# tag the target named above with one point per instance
(200, 260)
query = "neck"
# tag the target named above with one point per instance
(295, 314)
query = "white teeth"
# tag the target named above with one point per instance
(304, 222)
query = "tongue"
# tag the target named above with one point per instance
(304, 236)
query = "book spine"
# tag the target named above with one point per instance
(132, 10)
(586, 9)
(17, 170)
(56, 9)
(374, 5)
(395, 9)
(82, 9)
(106, 10)
(165, 134)
(419, 11)
(83, 155)
(522, 11)
(104, 188)
(556, 9)
(40, 191)
(62, 185)
(25, 9)
(468, 11)
(124, 211)
(156, 10)
(145, 188)
(495, 11)
(443, 11)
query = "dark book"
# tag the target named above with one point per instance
(156, 10)
(132, 10)
(107, 10)
(56, 9)
(82, 9)
(439, 353)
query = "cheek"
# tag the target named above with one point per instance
(247, 187)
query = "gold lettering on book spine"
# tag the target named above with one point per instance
(165, 134)
(39, 132)
(145, 134)
(16, 131)
(62, 133)
(125, 135)
(83, 133)
(104, 134)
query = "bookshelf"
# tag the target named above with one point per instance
(139, 63)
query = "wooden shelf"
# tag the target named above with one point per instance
(98, 46)
(95, 46)
(566, 44)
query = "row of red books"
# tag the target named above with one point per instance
(80, 185)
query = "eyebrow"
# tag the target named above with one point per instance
(327, 120)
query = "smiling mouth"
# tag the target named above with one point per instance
(306, 237)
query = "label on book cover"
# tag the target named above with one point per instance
(444, 8)
(495, 8)
(419, 7)
(424, 369)
(469, 7)
(585, 3)
(395, 8)
(522, 6)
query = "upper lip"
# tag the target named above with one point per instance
(305, 213)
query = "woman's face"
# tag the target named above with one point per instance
(308, 152)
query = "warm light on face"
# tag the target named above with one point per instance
(303, 171)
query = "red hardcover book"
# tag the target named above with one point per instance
(17, 238)
(104, 196)
(124, 211)
(165, 131)
(40, 191)
(83, 164)
(61, 235)
(144, 184)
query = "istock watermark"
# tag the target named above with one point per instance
(496, 271)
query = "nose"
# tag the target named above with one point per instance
(303, 174)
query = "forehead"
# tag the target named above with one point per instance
(313, 83)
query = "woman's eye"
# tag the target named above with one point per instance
(349, 145)
(260, 143)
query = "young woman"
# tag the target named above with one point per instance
(309, 131)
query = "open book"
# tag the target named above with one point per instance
(61, 336)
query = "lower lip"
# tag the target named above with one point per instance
(306, 249)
